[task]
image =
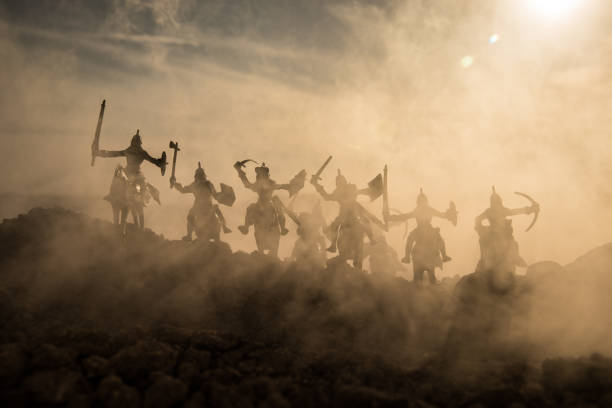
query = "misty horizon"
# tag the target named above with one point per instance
(371, 83)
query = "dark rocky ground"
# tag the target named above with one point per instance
(89, 320)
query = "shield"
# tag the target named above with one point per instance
(226, 196)
(297, 183)
(376, 187)
(163, 163)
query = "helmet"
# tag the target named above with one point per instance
(262, 170)
(199, 173)
(340, 179)
(422, 198)
(136, 141)
(496, 200)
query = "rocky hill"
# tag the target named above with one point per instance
(89, 319)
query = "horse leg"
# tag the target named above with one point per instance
(275, 245)
(141, 218)
(358, 259)
(115, 214)
(431, 273)
(417, 271)
(124, 215)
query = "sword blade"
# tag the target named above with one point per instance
(318, 173)
(95, 145)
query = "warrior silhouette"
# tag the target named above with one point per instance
(345, 195)
(265, 187)
(425, 241)
(204, 192)
(383, 258)
(309, 248)
(497, 244)
(423, 214)
(266, 214)
(139, 189)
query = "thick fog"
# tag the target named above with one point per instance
(453, 96)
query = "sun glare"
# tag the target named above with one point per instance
(553, 9)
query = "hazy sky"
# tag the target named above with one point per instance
(291, 82)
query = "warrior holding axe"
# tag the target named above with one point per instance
(139, 190)
(345, 195)
(203, 216)
(267, 213)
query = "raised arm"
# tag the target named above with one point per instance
(480, 218)
(522, 210)
(326, 196)
(400, 217)
(150, 159)
(243, 176)
(282, 187)
(110, 153)
(184, 190)
(364, 191)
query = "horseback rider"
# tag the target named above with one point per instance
(204, 192)
(423, 214)
(500, 231)
(135, 155)
(345, 195)
(265, 187)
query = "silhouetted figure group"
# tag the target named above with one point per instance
(425, 247)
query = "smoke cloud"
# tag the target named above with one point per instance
(289, 83)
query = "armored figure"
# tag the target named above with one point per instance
(139, 191)
(498, 248)
(424, 243)
(266, 214)
(347, 230)
(383, 258)
(204, 218)
(309, 248)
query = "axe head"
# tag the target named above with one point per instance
(376, 187)
(297, 183)
(226, 196)
(174, 145)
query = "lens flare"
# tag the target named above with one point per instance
(493, 38)
(552, 9)
(467, 61)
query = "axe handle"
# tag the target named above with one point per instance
(95, 145)
(172, 178)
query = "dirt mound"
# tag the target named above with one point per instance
(90, 319)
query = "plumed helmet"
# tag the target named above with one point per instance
(422, 198)
(262, 170)
(495, 200)
(199, 173)
(340, 179)
(136, 141)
